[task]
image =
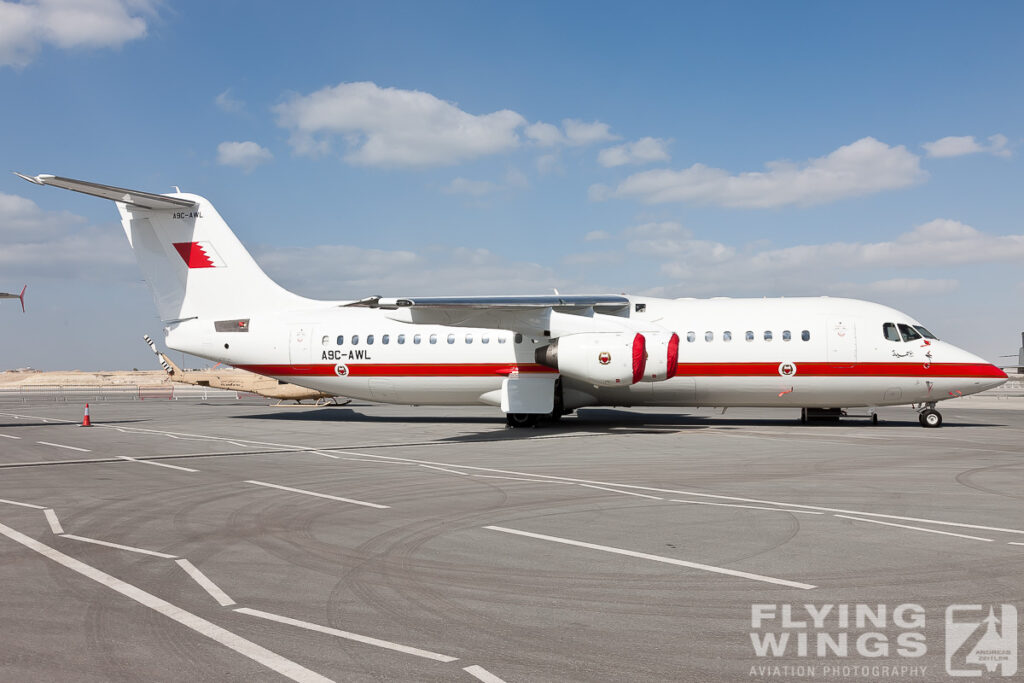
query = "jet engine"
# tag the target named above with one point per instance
(605, 359)
(662, 356)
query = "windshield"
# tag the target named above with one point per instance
(909, 333)
(925, 333)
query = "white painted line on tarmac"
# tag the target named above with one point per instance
(627, 493)
(433, 467)
(426, 654)
(24, 505)
(656, 558)
(51, 519)
(536, 481)
(8, 436)
(326, 455)
(1014, 543)
(482, 674)
(751, 507)
(915, 528)
(318, 495)
(60, 445)
(246, 648)
(573, 480)
(158, 464)
(205, 583)
(129, 548)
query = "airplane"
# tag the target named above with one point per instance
(240, 380)
(531, 356)
(21, 297)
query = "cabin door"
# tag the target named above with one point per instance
(299, 344)
(842, 341)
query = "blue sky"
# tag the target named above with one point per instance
(683, 149)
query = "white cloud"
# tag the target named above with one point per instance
(657, 229)
(544, 134)
(393, 127)
(225, 101)
(863, 167)
(476, 188)
(27, 26)
(582, 133)
(897, 286)
(643, 151)
(59, 244)
(597, 235)
(245, 155)
(955, 146)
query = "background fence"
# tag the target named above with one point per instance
(112, 393)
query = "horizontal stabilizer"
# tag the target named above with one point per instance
(143, 200)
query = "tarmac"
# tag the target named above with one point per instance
(240, 541)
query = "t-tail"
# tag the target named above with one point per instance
(194, 265)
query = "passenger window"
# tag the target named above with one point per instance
(451, 338)
(806, 335)
(709, 336)
(433, 339)
(890, 333)
(727, 336)
(786, 335)
(750, 335)
(355, 340)
(369, 339)
(416, 338)
(502, 340)
(469, 339)
(909, 333)
(484, 339)
(341, 340)
(519, 338)
(401, 339)
(385, 338)
(925, 333)
(325, 340)
(691, 336)
(767, 335)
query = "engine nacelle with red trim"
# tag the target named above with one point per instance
(605, 359)
(662, 356)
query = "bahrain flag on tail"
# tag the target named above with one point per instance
(199, 255)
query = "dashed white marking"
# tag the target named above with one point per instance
(60, 445)
(51, 519)
(8, 436)
(158, 464)
(205, 583)
(1014, 543)
(536, 481)
(915, 528)
(482, 674)
(627, 493)
(426, 654)
(318, 495)
(271, 660)
(24, 505)
(129, 548)
(655, 558)
(573, 480)
(751, 507)
(434, 467)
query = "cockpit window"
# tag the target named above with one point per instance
(925, 333)
(890, 332)
(908, 332)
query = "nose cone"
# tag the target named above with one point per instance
(978, 374)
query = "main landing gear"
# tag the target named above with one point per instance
(930, 417)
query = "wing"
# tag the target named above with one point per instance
(5, 295)
(546, 314)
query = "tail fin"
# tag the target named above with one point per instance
(166, 363)
(194, 265)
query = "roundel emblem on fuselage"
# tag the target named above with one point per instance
(787, 369)
(341, 370)
(604, 358)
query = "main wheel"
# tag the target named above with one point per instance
(930, 418)
(518, 420)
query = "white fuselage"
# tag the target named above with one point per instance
(796, 352)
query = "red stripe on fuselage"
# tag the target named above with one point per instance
(965, 370)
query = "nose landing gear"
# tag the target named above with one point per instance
(929, 417)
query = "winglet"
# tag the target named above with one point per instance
(35, 180)
(21, 297)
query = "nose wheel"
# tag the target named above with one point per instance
(930, 417)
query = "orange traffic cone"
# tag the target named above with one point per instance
(85, 419)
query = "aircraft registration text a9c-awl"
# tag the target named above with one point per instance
(532, 356)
